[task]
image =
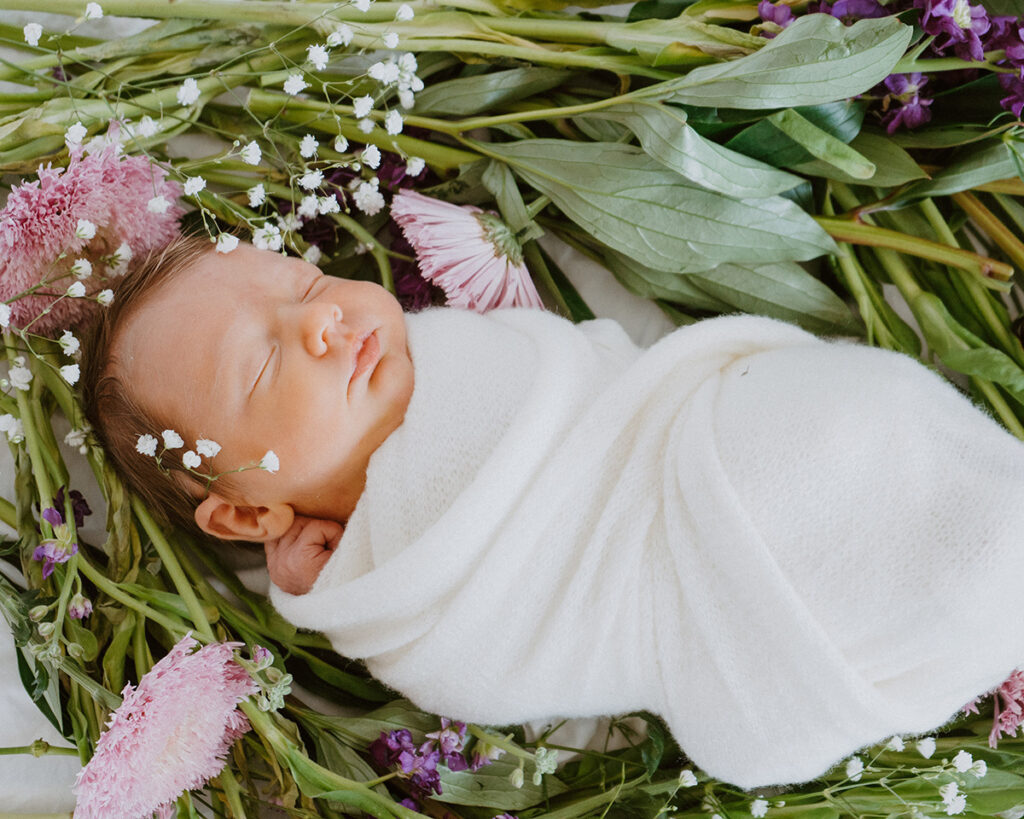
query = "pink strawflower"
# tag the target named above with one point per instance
(470, 253)
(169, 735)
(1008, 707)
(40, 220)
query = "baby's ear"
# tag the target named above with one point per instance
(222, 518)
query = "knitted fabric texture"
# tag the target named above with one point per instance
(790, 548)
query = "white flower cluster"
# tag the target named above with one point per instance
(12, 427)
(192, 458)
(954, 801)
(78, 439)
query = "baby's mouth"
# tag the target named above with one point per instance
(367, 353)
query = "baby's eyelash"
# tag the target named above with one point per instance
(311, 287)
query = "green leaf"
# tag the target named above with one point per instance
(659, 284)
(893, 165)
(664, 42)
(473, 95)
(768, 142)
(816, 59)
(1013, 8)
(782, 290)
(635, 205)
(973, 166)
(723, 10)
(498, 179)
(821, 145)
(667, 137)
(491, 787)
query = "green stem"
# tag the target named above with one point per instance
(990, 272)
(539, 270)
(498, 741)
(930, 66)
(111, 589)
(39, 748)
(173, 567)
(32, 443)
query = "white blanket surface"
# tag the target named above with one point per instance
(789, 548)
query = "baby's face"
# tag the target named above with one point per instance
(260, 351)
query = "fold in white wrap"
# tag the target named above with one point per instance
(788, 547)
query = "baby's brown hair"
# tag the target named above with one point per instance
(110, 406)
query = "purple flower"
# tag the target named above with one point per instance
(904, 104)
(421, 767)
(780, 14)
(960, 22)
(484, 754)
(450, 737)
(79, 607)
(79, 505)
(1007, 35)
(60, 547)
(851, 10)
(1015, 101)
(411, 804)
(386, 749)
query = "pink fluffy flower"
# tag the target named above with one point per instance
(1008, 707)
(471, 254)
(169, 735)
(40, 220)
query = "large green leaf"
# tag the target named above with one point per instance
(821, 145)
(975, 165)
(816, 59)
(659, 284)
(472, 95)
(665, 135)
(768, 140)
(634, 204)
(783, 290)
(893, 165)
(661, 42)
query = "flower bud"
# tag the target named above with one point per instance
(76, 650)
(516, 778)
(37, 613)
(46, 630)
(39, 748)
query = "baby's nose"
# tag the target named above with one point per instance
(321, 327)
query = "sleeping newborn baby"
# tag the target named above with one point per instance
(787, 547)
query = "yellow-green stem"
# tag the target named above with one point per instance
(111, 589)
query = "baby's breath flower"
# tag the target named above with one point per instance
(368, 198)
(77, 438)
(267, 237)
(925, 747)
(404, 13)
(294, 84)
(257, 195)
(341, 36)
(312, 254)
(962, 761)
(204, 446)
(854, 768)
(74, 135)
(340, 144)
(19, 375)
(68, 343)
(895, 744)
(386, 73)
(318, 55)
(251, 154)
(311, 180)
(393, 123)
(406, 98)
(81, 269)
(414, 166)
(85, 229)
(308, 147)
(226, 243)
(70, 373)
(327, 204)
(391, 40)
(76, 290)
(979, 768)
(191, 460)
(105, 297)
(269, 462)
(948, 792)
(188, 93)
(361, 5)
(32, 32)
(147, 126)
(371, 156)
(13, 428)
(308, 206)
(146, 445)
(687, 779)
(93, 11)
(5, 315)
(172, 440)
(365, 125)
(362, 106)
(193, 185)
(289, 222)
(758, 808)
(158, 204)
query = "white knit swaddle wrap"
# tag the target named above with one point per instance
(787, 547)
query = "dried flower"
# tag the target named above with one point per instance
(86, 209)
(471, 254)
(169, 735)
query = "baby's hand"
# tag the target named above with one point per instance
(295, 559)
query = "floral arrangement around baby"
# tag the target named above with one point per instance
(97, 616)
